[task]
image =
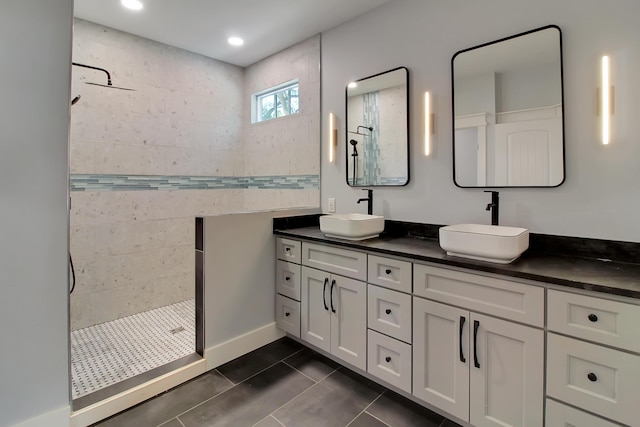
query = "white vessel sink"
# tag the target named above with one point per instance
(492, 243)
(352, 226)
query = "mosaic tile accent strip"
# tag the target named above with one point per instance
(81, 182)
(114, 351)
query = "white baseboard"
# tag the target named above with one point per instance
(112, 405)
(243, 344)
(55, 418)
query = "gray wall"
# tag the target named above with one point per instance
(600, 198)
(35, 63)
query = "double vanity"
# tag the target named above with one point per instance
(545, 340)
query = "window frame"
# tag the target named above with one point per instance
(255, 100)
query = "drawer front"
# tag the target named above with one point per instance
(389, 312)
(288, 250)
(389, 360)
(559, 415)
(390, 273)
(288, 315)
(498, 297)
(603, 321)
(600, 379)
(335, 260)
(288, 279)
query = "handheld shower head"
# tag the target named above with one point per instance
(353, 143)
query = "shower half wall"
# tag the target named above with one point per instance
(144, 163)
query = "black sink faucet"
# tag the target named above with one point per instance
(494, 206)
(369, 200)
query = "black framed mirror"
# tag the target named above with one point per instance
(508, 107)
(377, 134)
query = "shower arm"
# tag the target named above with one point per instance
(357, 132)
(95, 68)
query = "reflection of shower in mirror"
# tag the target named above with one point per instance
(354, 154)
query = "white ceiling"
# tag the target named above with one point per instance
(203, 26)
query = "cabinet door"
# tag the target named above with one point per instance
(348, 304)
(507, 371)
(315, 319)
(441, 356)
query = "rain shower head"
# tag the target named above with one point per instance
(109, 84)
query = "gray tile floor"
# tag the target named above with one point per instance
(281, 384)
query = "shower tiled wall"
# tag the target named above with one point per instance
(183, 133)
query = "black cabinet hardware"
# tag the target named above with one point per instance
(592, 377)
(388, 359)
(333, 284)
(476, 325)
(388, 311)
(388, 271)
(287, 314)
(324, 293)
(462, 320)
(593, 317)
(287, 278)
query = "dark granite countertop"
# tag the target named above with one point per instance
(593, 274)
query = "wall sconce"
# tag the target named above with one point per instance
(605, 104)
(333, 137)
(428, 123)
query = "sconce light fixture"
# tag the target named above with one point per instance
(428, 125)
(606, 102)
(333, 137)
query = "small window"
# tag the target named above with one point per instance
(278, 101)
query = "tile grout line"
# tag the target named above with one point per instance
(367, 407)
(373, 416)
(299, 371)
(233, 385)
(223, 376)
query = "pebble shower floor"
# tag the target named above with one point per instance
(111, 352)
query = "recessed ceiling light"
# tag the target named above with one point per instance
(132, 4)
(235, 41)
(351, 85)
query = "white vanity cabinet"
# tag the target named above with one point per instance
(288, 272)
(389, 320)
(592, 359)
(333, 307)
(482, 369)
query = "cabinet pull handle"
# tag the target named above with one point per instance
(592, 377)
(476, 325)
(287, 278)
(388, 271)
(388, 311)
(593, 317)
(462, 321)
(324, 293)
(287, 314)
(388, 359)
(333, 283)
(287, 249)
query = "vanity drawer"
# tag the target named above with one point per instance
(335, 260)
(389, 360)
(288, 315)
(608, 322)
(559, 415)
(288, 279)
(589, 376)
(390, 273)
(389, 312)
(288, 250)
(498, 297)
